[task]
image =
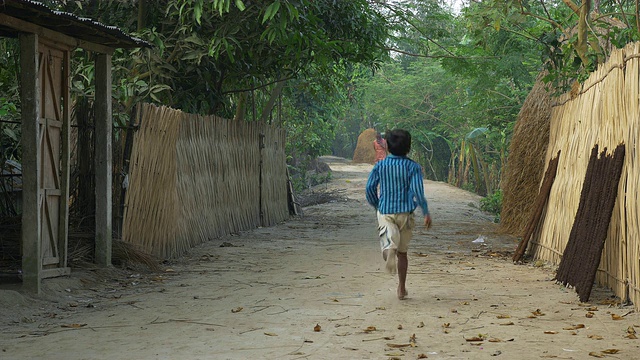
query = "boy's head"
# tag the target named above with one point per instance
(398, 142)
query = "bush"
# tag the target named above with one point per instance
(493, 204)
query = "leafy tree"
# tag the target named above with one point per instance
(9, 100)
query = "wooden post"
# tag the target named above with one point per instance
(65, 160)
(31, 195)
(103, 164)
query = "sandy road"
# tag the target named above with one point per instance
(313, 288)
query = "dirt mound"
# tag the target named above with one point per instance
(364, 153)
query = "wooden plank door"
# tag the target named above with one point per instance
(54, 152)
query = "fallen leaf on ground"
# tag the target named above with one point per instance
(631, 330)
(73, 326)
(503, 316)
(592, 308)
(537, 313)
(550, 332)
(398, 346)
(595, 337)
(422, 356)
(399, 326)
(574, 327)
(446, 325)
(475, 338)
(421, 325)
(589, 314)
(508, 323)
(237, 310)
(270, 334)
(394, 355)
(596, 354)
(494, 340)
(369, 329)
(631, 336)
(611, 351)
(616, 317)
(609, 302)
(317, 328)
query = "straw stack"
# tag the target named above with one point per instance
(364, 152)
(526, 163)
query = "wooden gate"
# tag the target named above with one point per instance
(53, 74)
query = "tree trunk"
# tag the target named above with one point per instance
(266, 111)
(582, 44)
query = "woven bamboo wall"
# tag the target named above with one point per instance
(207, 181)
(604, 111)
(149, 218)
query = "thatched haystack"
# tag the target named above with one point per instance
(526, 163)
(364, 153)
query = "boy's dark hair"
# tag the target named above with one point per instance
(398, 142)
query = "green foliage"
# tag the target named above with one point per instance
(492, 204)
(9, 101)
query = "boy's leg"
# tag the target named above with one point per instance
(389, 238)
(407, 223)
(403, 265)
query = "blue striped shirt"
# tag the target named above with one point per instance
(401, 187)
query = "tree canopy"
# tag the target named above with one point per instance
(456, 78)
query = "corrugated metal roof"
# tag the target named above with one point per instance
(71, 25)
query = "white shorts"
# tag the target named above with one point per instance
(395, 231)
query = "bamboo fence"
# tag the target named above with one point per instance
(605, 112)
(195, 178)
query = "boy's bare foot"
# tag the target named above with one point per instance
(384, 254)
(402, 294)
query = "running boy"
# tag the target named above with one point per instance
(401, 191)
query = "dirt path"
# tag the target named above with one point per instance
(262, 294)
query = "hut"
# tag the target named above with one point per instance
(47, 39)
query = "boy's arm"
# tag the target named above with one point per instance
(417, 188)
(372, 188)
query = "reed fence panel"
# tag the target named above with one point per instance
(212, 177)
(605, 112)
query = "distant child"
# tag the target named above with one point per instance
(401, 191)
(380, 147)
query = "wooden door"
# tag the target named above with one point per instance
(53, 146)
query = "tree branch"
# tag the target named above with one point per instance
(575, 8)
(257, 86)
(452, 56)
